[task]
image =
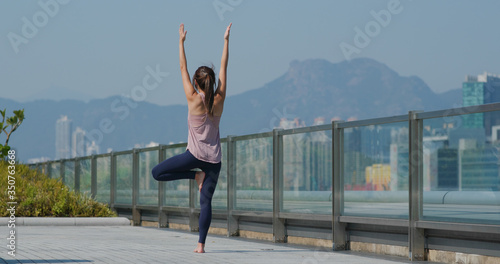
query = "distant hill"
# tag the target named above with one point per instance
(360, 88)
(453, 97)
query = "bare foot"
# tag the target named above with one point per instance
(200, 248)
(199, 177)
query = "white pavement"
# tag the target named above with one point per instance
(128, 244)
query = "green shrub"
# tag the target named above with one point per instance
(37, 195)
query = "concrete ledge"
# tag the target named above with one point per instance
(382, 249)
(149, 223)
(179, 226)
(307, 241)
(256, 235)
(218, 231)
(456, 257)
(67, 221)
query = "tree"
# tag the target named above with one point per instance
(13, 122)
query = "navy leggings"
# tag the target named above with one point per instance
(180, 167)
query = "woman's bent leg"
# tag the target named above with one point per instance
(176, 167)
(207, 191)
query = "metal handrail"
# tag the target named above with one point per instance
(302, 130)
(374, 121)
(460, 111)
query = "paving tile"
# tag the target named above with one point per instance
(127, 244)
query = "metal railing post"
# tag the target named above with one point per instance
(232, 221)
(338, 228)
(49, 169)
(416, 243)
(162, 216)
(112, 180)
(93, 176)
(77, 175)
(136, 214)
(279, 229)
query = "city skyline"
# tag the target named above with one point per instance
(71, 143)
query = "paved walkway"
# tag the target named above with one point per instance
(126, 244)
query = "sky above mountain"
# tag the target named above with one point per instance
(96, 49)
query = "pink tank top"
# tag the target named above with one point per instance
(204, 138)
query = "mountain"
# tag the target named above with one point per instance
(360, 88)
(453, 98)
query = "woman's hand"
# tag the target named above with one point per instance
(228, 29)
(182, 33)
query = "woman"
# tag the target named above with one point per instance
(203, 149)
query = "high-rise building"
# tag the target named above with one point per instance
(478, 90)
(63, 138)
(478, 166)
(399, 162)
(448, 171)
(79, 148)
(399, 158)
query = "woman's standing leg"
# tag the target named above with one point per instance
(207, 191)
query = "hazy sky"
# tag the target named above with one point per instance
(103, 48)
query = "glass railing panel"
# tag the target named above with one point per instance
(148, 186)
(461, 176)
(254, 174)
(69, 174)
(55, 170)
(376, 171)
(103, 179)
(307, 173)
(124, 179)
(85, 177)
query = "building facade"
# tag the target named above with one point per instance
(478, 90)
(78, 144)
(63, 138)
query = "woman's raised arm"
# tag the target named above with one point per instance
(221, 88)
(188, 86)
